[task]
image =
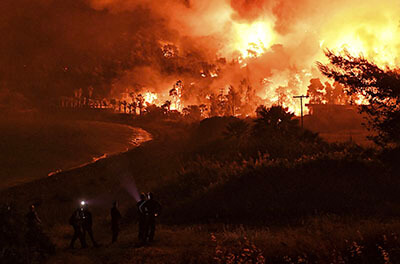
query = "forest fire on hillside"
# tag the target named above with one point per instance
(258, 61)
(228, 55)
(269, 123)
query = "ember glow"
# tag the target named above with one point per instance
(264, 50)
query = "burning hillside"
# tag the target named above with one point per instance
(224, 56)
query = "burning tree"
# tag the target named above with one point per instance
(176, 93)
(249, 96)
(315, 91)
(222, 103)
(233, 100)
(326, 93)
(166, 106)
(192, 113)
(339, 94)
(140, 103)
(380, 88)
(203, 109)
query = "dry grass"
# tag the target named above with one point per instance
(356, 136)
(322, 239)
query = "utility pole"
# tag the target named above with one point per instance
(301, 105)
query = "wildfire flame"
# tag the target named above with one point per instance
(372, 34)
(252, 40)
(150, 98)
(269, 49)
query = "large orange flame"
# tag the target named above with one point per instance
(252, 40)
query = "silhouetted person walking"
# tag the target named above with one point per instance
(33, 220)
(151, 209)
(76, 222)
(87, 223)
(35, 236)
(141, 219)
(115, 219)
(33, 224)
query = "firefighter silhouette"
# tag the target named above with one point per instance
(87, 222)
(151, 209)
(76, 222)
(141, 219)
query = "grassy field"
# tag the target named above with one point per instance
(338, 205)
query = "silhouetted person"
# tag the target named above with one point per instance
(33, 220)
(115, 219)
(141, 219)
(87, 223)
(33, 224)
(151, 209)
(35, 236)
(76, 222)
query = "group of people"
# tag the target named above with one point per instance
(148, 209)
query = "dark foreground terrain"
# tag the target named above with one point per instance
(224, 200)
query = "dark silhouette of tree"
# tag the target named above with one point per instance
(124, 103)
(113, 103)
(275, 119)
(277, 133)
(129, 108)
(203, 109)
(154, 112)
(185, 111)
(119, 106)
(134, 106)
(140, 103)
(237, 129)
(380, 87)
(166, 106)
(193, 112)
